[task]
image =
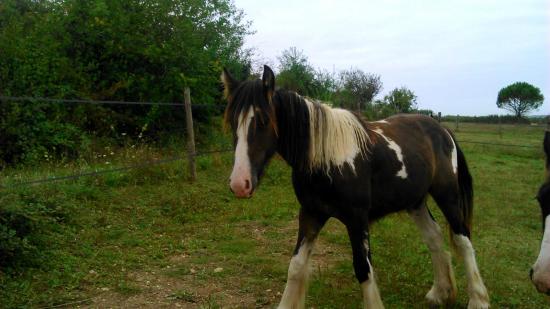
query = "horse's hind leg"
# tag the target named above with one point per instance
(295, 291)
(443, 290)
(448, 202)
(479, 298)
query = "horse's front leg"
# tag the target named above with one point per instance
(359, 236)
(294, 295)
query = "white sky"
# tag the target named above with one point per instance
(455, 55)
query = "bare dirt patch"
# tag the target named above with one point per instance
(157, 289)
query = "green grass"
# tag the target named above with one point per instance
(151, 237)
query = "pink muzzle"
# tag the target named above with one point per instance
(240, 183)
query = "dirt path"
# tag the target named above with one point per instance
(161, 288)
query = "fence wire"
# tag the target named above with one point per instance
(102, 102)
(497, 144)
(148, 163)
(107, 171)
(176, 158)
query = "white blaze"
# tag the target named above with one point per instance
(541, 269)
(393, 146)
(241, 168)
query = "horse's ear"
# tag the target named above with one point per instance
(268, 80)
(547, 143)
(229, 83)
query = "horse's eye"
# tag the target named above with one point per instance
(261, 122)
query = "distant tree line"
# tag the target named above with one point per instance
(356, 90)
(353, 89)
(494, 119)
(149, 51)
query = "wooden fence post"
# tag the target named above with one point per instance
(190, 135)
(456, 125)
(439, 117)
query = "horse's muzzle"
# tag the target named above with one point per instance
(242, 188)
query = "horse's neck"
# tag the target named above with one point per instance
(293, 129)
(315, 136)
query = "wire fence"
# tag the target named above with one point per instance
(108, 171)
(191, 152)
(101, 102)
(499, 144)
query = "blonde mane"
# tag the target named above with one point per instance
(337, 136)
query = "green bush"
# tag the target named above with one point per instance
(15, 228)
(28, 220)
(17, 244)
(109, 50)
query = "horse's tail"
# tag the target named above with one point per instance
(466, 189)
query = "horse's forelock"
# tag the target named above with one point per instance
(249, 94)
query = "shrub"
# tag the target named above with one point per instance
(16, 228)
(29, 218)
(108, 50)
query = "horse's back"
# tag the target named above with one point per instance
(409, 154)
(415, 133)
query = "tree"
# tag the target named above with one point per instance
(109, 50)
(402, 100)
(357, 88)
(520, 98)
(295, 72)
(326, 85)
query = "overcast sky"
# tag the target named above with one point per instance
(455, 55)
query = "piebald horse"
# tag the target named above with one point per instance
(540, 273)
(356, 171)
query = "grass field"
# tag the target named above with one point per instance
(149, 238)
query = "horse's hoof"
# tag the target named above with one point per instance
(478, 304)
(438, 296)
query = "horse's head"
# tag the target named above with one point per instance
(251, 116)
(540, 273)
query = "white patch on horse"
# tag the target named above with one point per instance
(381, 121)
(241, 168)
(541, 269)
(295, 290)
(393, 146)
(371, 294)
(444, 286)
(454, 156)
(366, 242)
(479, 298)
(336, 137)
